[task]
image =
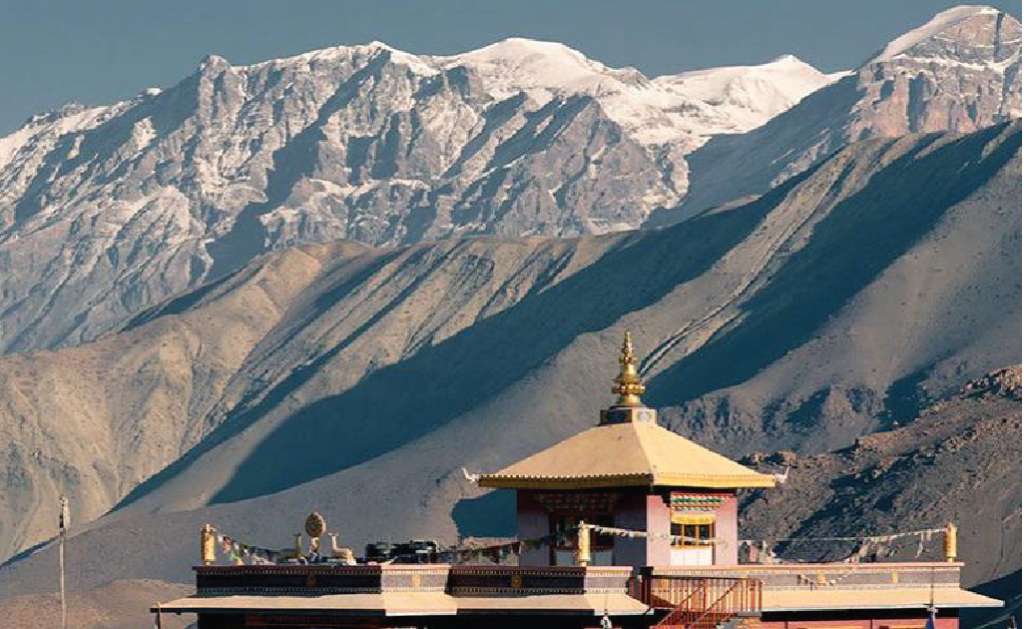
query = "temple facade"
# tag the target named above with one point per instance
(630, 473)
(626, 524)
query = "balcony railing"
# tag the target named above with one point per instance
(698, 602)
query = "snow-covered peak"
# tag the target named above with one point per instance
(522, 48)
(418, 64)
(938, 25)
(519, 64)
(353, 141)
(71, 117)
(787, 76)
(213, 61)
(740, 98)
(684, 108)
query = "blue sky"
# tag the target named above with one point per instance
(100, 51)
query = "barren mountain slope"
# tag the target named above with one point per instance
(95, 420)
(958, 72)
(838, 303)
(122, 604)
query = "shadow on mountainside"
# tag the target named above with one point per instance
(851, 247)
(403, 401)
(406, 400)
(1007, 589)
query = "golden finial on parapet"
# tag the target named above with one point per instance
(949, 542)
(583, 545)
(346, 555)
(628, 384)
(208, 545)
(316, 526)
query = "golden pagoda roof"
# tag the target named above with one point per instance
(632, 453)
(628, 448)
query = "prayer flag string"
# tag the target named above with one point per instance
(240, 552)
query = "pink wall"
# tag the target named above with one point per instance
(727, 529)
(633, 511)
(659, 520)
(636, 510)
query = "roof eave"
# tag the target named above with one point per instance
(751, 481)
(501, 481)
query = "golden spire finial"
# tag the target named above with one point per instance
(628, 384)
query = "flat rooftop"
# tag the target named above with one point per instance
(442, 589)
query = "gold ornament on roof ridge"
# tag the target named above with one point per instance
(315, 525)
(628, 384)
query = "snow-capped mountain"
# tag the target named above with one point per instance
(736, 99)
(960, 71)
(104, 210)
(687, 107)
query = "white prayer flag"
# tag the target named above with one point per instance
(65, 516)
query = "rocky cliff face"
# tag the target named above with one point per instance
(958, 72)
(959, 461)
(106, 210)
(328, 376)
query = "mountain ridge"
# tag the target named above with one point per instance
(494, 318)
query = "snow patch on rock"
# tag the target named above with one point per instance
(933, 27)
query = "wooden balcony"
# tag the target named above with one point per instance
(829, 575)
(697, 602)
(789, 587)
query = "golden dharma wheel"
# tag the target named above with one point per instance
(315, 525)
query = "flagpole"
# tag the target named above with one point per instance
(930, 623)
(931, 591)
(63, 529)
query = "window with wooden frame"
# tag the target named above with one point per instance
(695, 530)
